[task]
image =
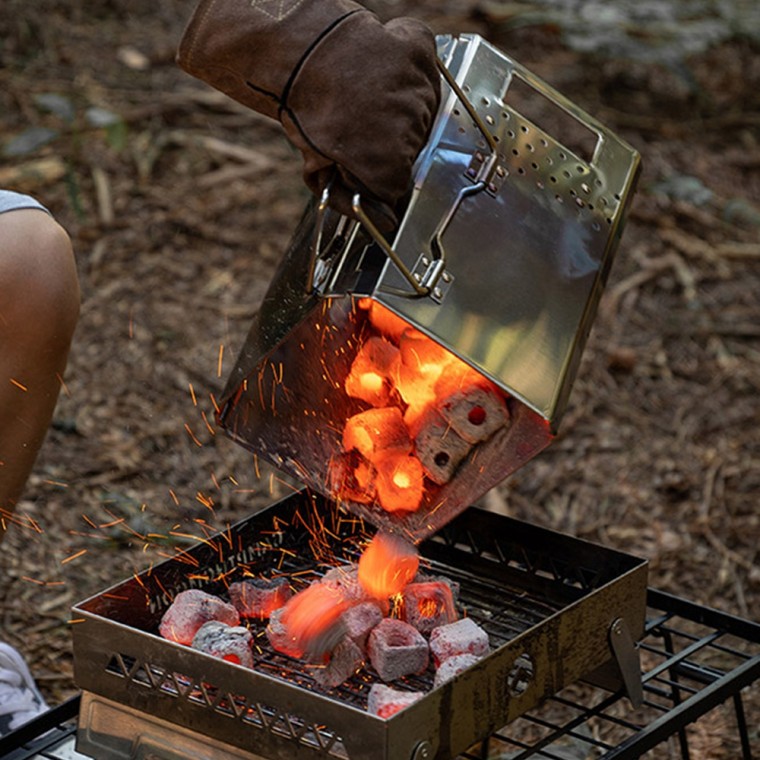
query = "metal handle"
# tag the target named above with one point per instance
(424, 284)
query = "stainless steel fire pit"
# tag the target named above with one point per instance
(556, 609)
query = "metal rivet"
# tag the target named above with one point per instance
(423, 751)
(417, 277)
(437, 293)
(446, 277)
(425, 261)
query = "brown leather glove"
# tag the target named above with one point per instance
(357, 97)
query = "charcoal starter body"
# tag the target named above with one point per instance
(404, 380)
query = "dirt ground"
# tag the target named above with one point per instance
(179, 210)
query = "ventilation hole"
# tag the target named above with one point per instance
(521, 171)
(496, 138)
(559, 199)
(540, 185)
(573, 193)
(457, 112)
(486, 102)
(562, 155)
(553, 178)
(477, 415)
(544, 142)
(581, 169)
(490, 120)
(535, 165)
(566, 173)
(591, 206)
(603, 201)
(596, 226)
(442, 459)
(530, 147)
(515, 152)
(549, 160)
(511, 133)
(505, 115)
(524, 129)
(586, 189)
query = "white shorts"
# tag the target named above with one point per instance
(10, 201)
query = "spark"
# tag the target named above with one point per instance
(74, 556)
(63, 385)
(19, 385)
(208, 424)
(74, 621)
(192, 436)
(131, 329)
(32, 580)
(174, 497)
(192, 395)
(220, 360)
(217, 410)
(116, 597)
(58, 483)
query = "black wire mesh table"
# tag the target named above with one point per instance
(698, 667)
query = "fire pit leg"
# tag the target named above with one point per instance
(627, 657)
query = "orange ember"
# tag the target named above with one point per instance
(384, 320)
(400, 485)
(369, 377)
(387, 566)
(312, 619)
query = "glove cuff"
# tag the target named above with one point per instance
(252, 49)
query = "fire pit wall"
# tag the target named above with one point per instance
(547, 602)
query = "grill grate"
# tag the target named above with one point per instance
(694, 660)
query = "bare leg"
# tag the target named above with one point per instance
(39, 307)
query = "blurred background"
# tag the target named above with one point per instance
(180, 203)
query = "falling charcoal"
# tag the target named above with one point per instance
(476, 412)
(396, 649)
(453, 667)
(428, 605)
(190, 610)
(259, 597)
(438, 446)
(345, 659)
(377, 432)
(387, 565)
(464, 636)
(385, 701)
(313, 621)
(360, 620)
(230, 643)
(369, 377)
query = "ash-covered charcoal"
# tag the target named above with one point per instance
(230, 643)
(396, 649)
(385, 701)
(438, 446)
(259, 597)
(345, 580)
(423, 577)
(190, 610)
(428, 605)
(453, 667)
(464, 636)
(344, 660)
(360, 620)
(278, 637)
(476, 412)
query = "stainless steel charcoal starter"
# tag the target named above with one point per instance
(555, 609)
(398, 379)
(405, 378)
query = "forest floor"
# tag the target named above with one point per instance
(180, 203)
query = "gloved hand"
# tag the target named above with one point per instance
(355, 96)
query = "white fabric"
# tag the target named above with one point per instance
(20, 701)
(11, 201)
